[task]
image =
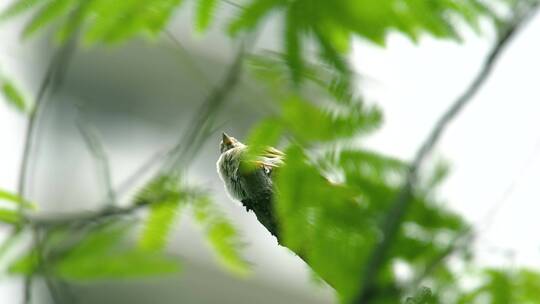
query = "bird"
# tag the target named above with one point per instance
(249, 180)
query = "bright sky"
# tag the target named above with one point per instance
(493, 146)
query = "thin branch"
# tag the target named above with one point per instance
(234, 4)
(53, 78)
(208, 110)
(151, 162)
(466, 235)
(193, 138)
(94, 145)
(190, 62)
(401, 204)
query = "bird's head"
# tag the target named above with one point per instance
(229, 142)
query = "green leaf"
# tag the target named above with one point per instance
(13, 95)
(10, 197)
(27, 264)
(205, 12)
(164, 188)
(311, 123)
(105, 253)
(13, 198)
(253, 14)
(116, 265)
(9, 216)
(293, 44)
(10, 241)
(222, 235)
(55, 9)
(19, 7)
(158, 225)
(316, 215)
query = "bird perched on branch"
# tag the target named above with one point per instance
(248, 179)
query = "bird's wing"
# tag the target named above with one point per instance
(271, 159)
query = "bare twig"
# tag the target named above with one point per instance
(96, 148)
(400, 206)
(54, 76)
(208, 109)
(194, 137)
(190, 62)
(468, 234)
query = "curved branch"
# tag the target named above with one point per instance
(401, 204)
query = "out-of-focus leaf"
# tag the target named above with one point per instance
(105, 21)
(52, 10)
(316, 215)
(9, 216)
(13, 95)
(205, 12)
(9, 242)
(116, 265)
(13, 198)
(332, 24)
(19, 7)
(27, 264)
(10, 197)
(293, 43)
(164, 188)
(253, 14)
(222, 235)
(311, 123)
(158, 225)
(165, 197)
(106, 254)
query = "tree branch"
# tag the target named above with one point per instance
(198, 129)
(96, 148)
(400, 206)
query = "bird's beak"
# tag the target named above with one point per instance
(226, 139)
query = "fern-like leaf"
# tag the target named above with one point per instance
(222, 235)
(13, 95)
(165, 198)
(205, 13)
(51, 11)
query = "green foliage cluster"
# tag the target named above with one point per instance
(330, 24)
(334, 226)
(105, 249)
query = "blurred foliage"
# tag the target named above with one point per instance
(505, 286)
(13, 95)
(332, 194)
(10, 214)
(101, 253)
(330, 25)
(222, 235)
(165, 197)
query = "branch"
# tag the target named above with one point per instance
(54, 77)
(96, 148)
(401, 204)
(198, 129)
